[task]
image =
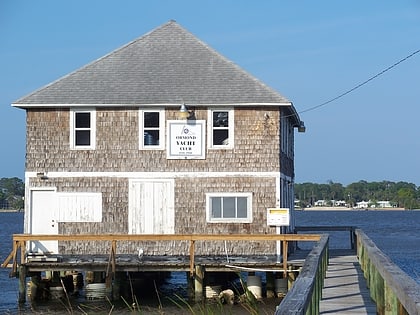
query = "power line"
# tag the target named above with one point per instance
(360, 84)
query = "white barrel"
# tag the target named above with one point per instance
(254, 286)
(213, 291)
(280, 286)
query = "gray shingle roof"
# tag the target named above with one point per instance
(166, 66)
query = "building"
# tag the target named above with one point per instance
(362, 204)
(161, 136)
(320, 203)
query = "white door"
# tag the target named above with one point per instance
(43, 220)
(151, 207)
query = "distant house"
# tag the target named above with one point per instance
(163, 135)
(362, 204)
(384, 204)
(374, 204)
(339, 203)
(320, 203)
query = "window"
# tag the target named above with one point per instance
(152, 128)
(221, 128)
(82, 128)
(229, 207)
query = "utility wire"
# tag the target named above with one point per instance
(359, 85)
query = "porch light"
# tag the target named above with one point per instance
(184, 113)
(42, 175)
(301, 127)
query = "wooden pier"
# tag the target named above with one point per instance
(345, 290)
(359, 280)
(113, 264)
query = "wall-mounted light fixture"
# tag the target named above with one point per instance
(42, 175)
(302, 127)
(184, 113)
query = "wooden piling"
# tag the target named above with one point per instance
(270, 284)
(199, 283)
(22, 284)
(116, 287)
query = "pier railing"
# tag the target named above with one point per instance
(20, 241)
(391, 288)
(306, 292)
(336, 228)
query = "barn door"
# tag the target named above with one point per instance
(151, 207)
(42, 220)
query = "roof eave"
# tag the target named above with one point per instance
(67, 105)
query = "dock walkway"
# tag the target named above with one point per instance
(345, 290)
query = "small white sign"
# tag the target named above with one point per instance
(186, 139)
(278, 217)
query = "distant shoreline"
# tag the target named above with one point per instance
(10, 210)
(348, 209)
(297, 209)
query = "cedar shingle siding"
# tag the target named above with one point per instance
(164, 69)
(117, 144)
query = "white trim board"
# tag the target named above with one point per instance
(154, 174)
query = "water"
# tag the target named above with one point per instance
(396, 233)
(10, 223)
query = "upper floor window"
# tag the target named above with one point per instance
(220, 128)
(229, 207)
(82, 128)
(152, 132)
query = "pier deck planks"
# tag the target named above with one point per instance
(345, 290)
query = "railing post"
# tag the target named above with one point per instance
(22, 252)
(284, 259)
(16, 245)
(111, 263)
(192, 249)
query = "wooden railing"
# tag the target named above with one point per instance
(306, 292)
(391, 288)
(336, 228)
(20, 241)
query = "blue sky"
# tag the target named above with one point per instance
(309, 51)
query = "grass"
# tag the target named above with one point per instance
(176, 304)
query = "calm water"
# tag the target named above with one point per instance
(10, 223)
(396, 233)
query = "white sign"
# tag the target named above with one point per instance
(186, 139)
(278, 217)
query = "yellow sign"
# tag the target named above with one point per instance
(278, 217)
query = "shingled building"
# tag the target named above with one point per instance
(161, 136)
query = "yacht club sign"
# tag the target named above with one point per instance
(186, 139)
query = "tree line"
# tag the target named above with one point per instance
(12, 191)
(400, 194)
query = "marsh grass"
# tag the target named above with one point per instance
(246, 303)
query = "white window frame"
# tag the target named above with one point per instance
(230, 128)
(248, 218)
(73, 129)
(161, 129)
